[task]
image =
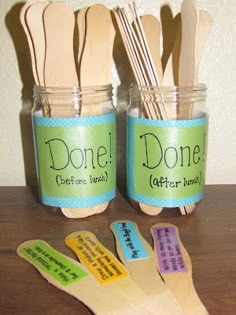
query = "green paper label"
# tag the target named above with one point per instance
(166, 161)
(54, 264)
(76, 160)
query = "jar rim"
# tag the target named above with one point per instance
(43, 88)
(169, 88)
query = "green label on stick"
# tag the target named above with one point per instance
(166, 161)
(53, 263)
(76, 160)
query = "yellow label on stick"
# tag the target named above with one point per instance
(102, 264)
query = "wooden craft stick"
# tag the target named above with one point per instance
(34, 20)
(23, 11)
(152, 31)
(171, 72)
(60, 70)
(81, 25)
(188, 53)
(78, 213)
(95, 23)
(59, 22)
(174, 265)
(187, 62)
(71, 277)
(95, 59)
(204, 28)
(108, 270)
(195, 27)
(171, 78)
(138, 257)
(150, 210)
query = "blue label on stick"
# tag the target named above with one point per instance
(131, 244)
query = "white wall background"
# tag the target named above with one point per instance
(218, 70)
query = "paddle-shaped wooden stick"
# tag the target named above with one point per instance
(171, 77)
(23, 12)
(97, 47)
(60, 71)
(138, 257)
(34, 20)
(152, 31)
(108, 270)
(188, 53)
(171, 72)
(59, 24)
(187, 59)
(71, 277)
(95, 60)
(195, 28)
(81, 26)
(205, 25)
(174, 265)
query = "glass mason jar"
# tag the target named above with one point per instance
(75, 146)
(166, 147)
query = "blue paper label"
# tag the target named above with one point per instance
(131, 244)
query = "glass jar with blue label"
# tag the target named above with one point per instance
(166, 147)
(75, 147)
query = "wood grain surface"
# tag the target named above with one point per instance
(209, 235)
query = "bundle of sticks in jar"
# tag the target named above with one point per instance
(178, 66)
(69, 51)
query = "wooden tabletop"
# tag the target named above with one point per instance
(209, 235)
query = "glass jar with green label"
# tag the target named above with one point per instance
(75, 145)
(166, 147)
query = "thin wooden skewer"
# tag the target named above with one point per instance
(132, 53)
(150, 63)
(143, 66)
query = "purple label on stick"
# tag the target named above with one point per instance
(168, 250)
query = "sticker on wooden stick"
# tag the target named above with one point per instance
(54, 264)
(132, 246)
(168, 250)
(175, 267)
(103, 265)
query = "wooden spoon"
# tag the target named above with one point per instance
(176, 268)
